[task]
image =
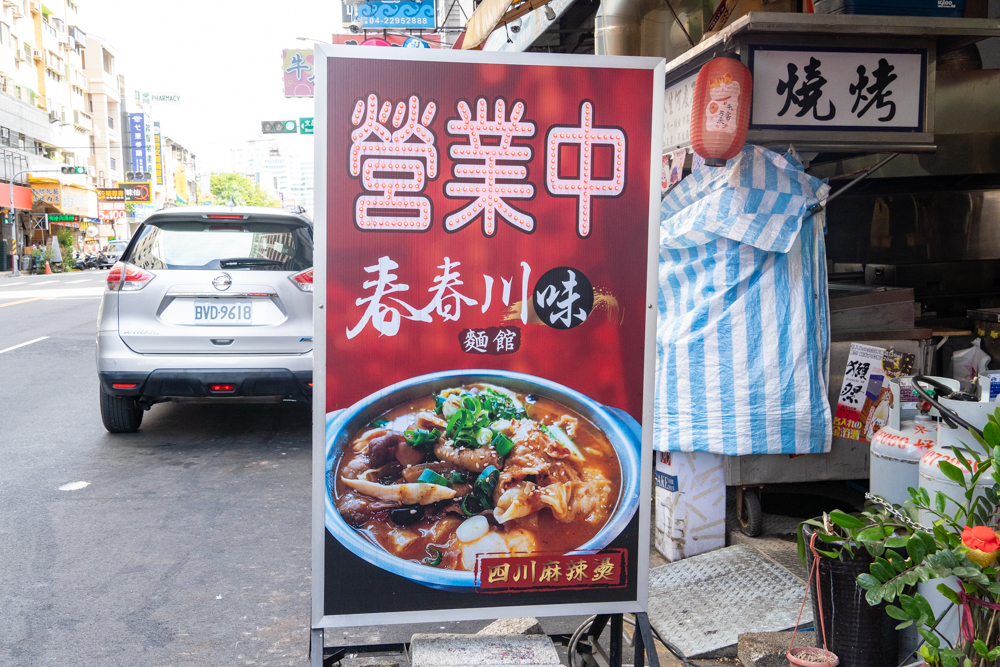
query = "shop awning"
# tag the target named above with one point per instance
(22, 196)
(54, 195)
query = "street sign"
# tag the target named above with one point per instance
(485, 292)
(305, 125)
(278, 126)
(137, 192)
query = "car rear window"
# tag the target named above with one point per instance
(244, 246)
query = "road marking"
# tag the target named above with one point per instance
(74, 486)
(14, 303)
(44, 282)
(22, 344)
(23, 282)
(82, 280)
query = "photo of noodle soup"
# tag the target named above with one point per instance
(472, 468)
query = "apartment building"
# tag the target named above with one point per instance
(106, 90)
(45, 121)
(289, 176)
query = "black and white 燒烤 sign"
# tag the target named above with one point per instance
(838, 89)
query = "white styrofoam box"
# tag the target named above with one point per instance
(690, 510)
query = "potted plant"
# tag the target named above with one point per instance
(845, 545)
(961, 542)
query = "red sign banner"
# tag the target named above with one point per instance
(110, 210)
(485, 286)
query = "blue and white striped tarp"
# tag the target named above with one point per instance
(742, 337)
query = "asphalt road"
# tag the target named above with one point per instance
(189, 543)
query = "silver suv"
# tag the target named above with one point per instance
(207, 301)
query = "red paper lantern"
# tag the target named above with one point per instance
(720, 112)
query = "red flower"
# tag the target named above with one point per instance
(980, 538)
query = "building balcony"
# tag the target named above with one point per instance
(83, 121)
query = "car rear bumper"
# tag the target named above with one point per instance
(170, 383)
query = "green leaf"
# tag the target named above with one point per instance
(952, 472)
(980, 647)
(949, 660)
(923, 605)
(951, 595)
(961, 458)
(874, 596)
(896, 542)
(930, 637)
(828, 554)
(868, 582)
(991, 433)
(915, 549)
(910, 577)
(910, 606)
(939, 502)
(823, 536)
(882, 570)
(875, 549)
(872, 534)
(993, 655)
(896, 613)
(896, 560)
(846, 520)
(904, 624)
(930, 546)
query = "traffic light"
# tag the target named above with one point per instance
(279, 126)
(74, 170)
(138, 176)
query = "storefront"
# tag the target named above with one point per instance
(62, 204)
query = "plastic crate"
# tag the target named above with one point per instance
(936, 8)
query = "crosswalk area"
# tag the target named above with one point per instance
(75, 285)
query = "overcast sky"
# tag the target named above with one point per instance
(222, 56)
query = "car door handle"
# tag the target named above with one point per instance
(222, 341)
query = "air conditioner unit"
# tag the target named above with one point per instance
(9, 3)
(53, 116)
(35, 6)
(37, 54)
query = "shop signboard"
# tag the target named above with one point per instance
(833, 88)
(865, 397)
(485, 298)
(137, 192)
(158, 153)
(111, 210)
(297, 69)
(677, 113)
(137, 134)
(110, 194)
(405, 14)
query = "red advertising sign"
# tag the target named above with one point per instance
(110, 210)
(485, 292)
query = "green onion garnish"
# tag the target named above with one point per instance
(502, 444)
(434, 556)
(428, 476)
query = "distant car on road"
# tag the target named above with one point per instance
(207, 301)
(110, 253)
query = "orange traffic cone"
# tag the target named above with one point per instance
(48, 269)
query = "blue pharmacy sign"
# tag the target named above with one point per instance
(138, 159)
(397, 14)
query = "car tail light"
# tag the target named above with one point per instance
(226, 216)
(222, 387)
(303, 280)
(128, 278)
(124, 385)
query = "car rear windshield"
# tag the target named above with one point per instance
(206, 245)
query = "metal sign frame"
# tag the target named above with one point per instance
(322, 55)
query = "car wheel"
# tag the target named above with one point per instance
(121, 414)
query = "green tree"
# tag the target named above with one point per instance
(241, 190)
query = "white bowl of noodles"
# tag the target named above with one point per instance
(617, 431)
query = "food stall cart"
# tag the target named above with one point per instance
(850, 94)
